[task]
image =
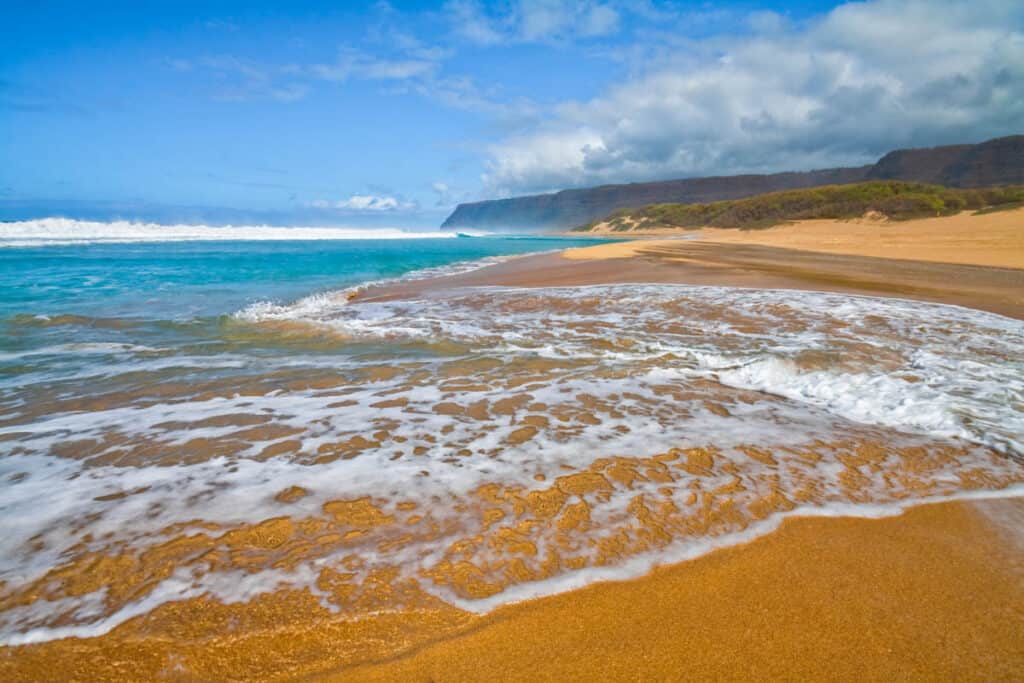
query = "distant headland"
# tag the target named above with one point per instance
(993, 163)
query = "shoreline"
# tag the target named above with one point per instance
(819, 597)
(961, 260)
(548, 637)
(935, 590)
(693, 262)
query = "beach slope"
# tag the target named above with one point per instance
(937, 593)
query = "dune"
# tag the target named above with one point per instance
(991, 239)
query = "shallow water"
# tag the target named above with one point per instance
(485, 445)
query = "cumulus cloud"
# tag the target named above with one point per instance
(842, 89)
(527, 21)
(365, 202)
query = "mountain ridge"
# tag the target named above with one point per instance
(999, 161)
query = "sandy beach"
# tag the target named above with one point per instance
(966, 260)
(992, 240)
(935, 592)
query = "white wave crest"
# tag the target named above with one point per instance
(64, 231)
(318, 307)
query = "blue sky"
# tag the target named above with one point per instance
(389, 114)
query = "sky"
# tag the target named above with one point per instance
(391, 113)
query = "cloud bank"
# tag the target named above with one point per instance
(842, 89)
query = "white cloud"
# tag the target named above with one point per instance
(406, 60)
(445, 197)
(368, 202)
(239, 80)
(843, 89)
(365, 202)
(289, 92)
(353, 63)
(527, 21)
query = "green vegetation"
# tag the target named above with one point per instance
(896, 200)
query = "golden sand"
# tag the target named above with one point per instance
(965, 260)
(993, 239)
(628, 249)
(937, 593)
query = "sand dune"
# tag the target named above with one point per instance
(994, 239)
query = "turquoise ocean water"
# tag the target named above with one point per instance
(58, 302)
(188, 280)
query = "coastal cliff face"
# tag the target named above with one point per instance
(996, 162)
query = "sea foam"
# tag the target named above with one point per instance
(65, 231)
(715, 412)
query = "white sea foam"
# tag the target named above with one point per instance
(691, 549)
(78, 348)
(64, 231)
(942, 370)
(322, 305)
(232, 492)
(658, 366)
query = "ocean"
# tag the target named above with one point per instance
(188, 419)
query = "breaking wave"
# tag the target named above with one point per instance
(65, 231)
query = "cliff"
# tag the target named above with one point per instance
(992, 163)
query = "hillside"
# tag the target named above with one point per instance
(893, 200)
(991, 163)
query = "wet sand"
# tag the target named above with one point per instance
(696, 262)
(937, 593)
(968, 259)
